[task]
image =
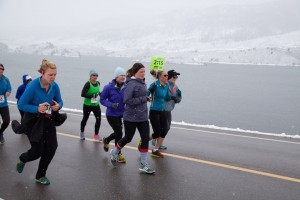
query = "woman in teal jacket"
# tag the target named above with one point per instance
(159, 91)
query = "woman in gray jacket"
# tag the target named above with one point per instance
(135, 116)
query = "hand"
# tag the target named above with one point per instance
(115, 105)
(149, 99)
(43, 107)
(54, 106)
(7, 94)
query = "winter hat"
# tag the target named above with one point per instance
(1, 65)
(119, 71)
(28, 77)
(93, 72)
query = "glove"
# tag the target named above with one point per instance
(152, 90)
(176, 99)
(115, 105)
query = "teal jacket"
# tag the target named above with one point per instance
(4, 87)
(159, 95)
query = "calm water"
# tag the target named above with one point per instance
(258, 98)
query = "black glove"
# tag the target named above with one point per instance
(152, 90)
(115, 105)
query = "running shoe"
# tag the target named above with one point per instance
(163, 147)
(113, 158)
(82, 137)
(146, 169)
(121, 158)
(43, 180)
(139, 144)
(105, 144)
(96, 137)
(157, 154)
(20, 166)
(2, 140)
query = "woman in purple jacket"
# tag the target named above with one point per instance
(112, 98)
(135, 116)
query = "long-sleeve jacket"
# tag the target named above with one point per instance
(4, 87)
(36, 94)
(176, 98)
(160, 94)
(135, 100)
(110, 94)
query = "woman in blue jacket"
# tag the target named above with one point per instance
(41, 97)
(112, 98)
(5, 90)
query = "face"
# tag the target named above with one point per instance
(164, 76)
(121, 79)
(49, 75)
(1, 70)
(173, 79)
(140, 74)
(93, 77)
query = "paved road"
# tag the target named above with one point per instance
(199, 164)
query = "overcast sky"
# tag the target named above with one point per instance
(31, 17)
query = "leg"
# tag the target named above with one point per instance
(116, 124)
(50, 146)
(86, 114)
(154, 117)
(97, 114)
(4, 112)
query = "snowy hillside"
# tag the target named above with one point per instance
(257, 34)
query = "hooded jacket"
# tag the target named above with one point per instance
(21, 88)
(110, 94)
(160, 94)
(135, 100)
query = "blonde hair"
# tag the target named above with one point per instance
(45, 65)
(156, 74)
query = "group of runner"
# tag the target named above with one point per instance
(125, 99)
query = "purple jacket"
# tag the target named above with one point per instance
(135, 100)
(112, 94)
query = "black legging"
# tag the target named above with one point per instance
(4, 112)
(116, 124)
(86, 113)
(130, 128)
(159, 123)
(168, 115)
(45, 149)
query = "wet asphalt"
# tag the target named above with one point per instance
(198, 164)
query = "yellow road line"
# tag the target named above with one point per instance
(286, 178)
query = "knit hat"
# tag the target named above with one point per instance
(28, 77)
(93, 72)
(119, 71)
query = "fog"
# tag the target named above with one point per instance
(53, 18)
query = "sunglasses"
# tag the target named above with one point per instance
(95, 75)
(1, 68)
(175, 77)
(165, 75)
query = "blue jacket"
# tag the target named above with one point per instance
(36, 94)
(160, 95)
(112, 94)
(21, 88)
(135, 100)
(4, 87)
(170, 105)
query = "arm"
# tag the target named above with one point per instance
(57, 98)
(19, 92)
(24, 101)
(104, 97)
(85, 89)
